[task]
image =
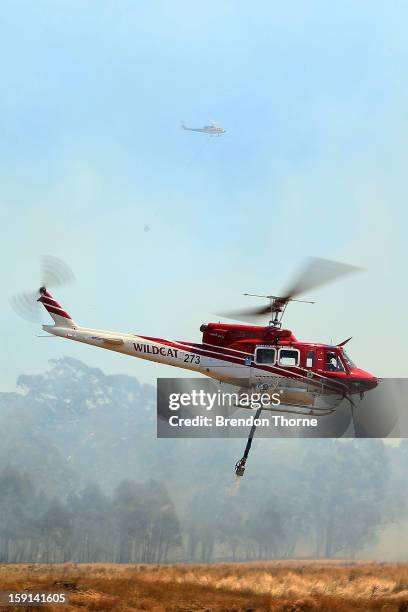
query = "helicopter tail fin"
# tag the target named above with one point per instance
(60, 317)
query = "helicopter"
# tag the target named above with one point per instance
(211, 130)
(312, 377)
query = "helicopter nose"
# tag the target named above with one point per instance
(362, 380)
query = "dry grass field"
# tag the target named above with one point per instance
(240, 587)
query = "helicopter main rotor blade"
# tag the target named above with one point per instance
(244, 314)
(314, 273)
(382, 410)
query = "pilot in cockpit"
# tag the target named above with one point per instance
(331, 362)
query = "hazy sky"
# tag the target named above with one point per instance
(314, 98)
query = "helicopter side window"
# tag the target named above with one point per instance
(288, 357)
(265, 355)
(310, 359)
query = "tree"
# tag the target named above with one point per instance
(55, 528)
(146, 522)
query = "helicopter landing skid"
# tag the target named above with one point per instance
(302, 410)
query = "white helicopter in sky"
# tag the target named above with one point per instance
(211, 130)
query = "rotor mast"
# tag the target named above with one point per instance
(278, 305)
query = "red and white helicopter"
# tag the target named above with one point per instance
(310, 376)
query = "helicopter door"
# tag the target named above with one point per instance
(320, 359)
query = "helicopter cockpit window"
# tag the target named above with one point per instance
(348, 360)
(333, 362)
(288, 357)
(265, 355)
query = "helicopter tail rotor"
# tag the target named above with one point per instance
(54, 273)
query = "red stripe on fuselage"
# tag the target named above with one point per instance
(219, 349)
(195, 350)
(295, 375)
